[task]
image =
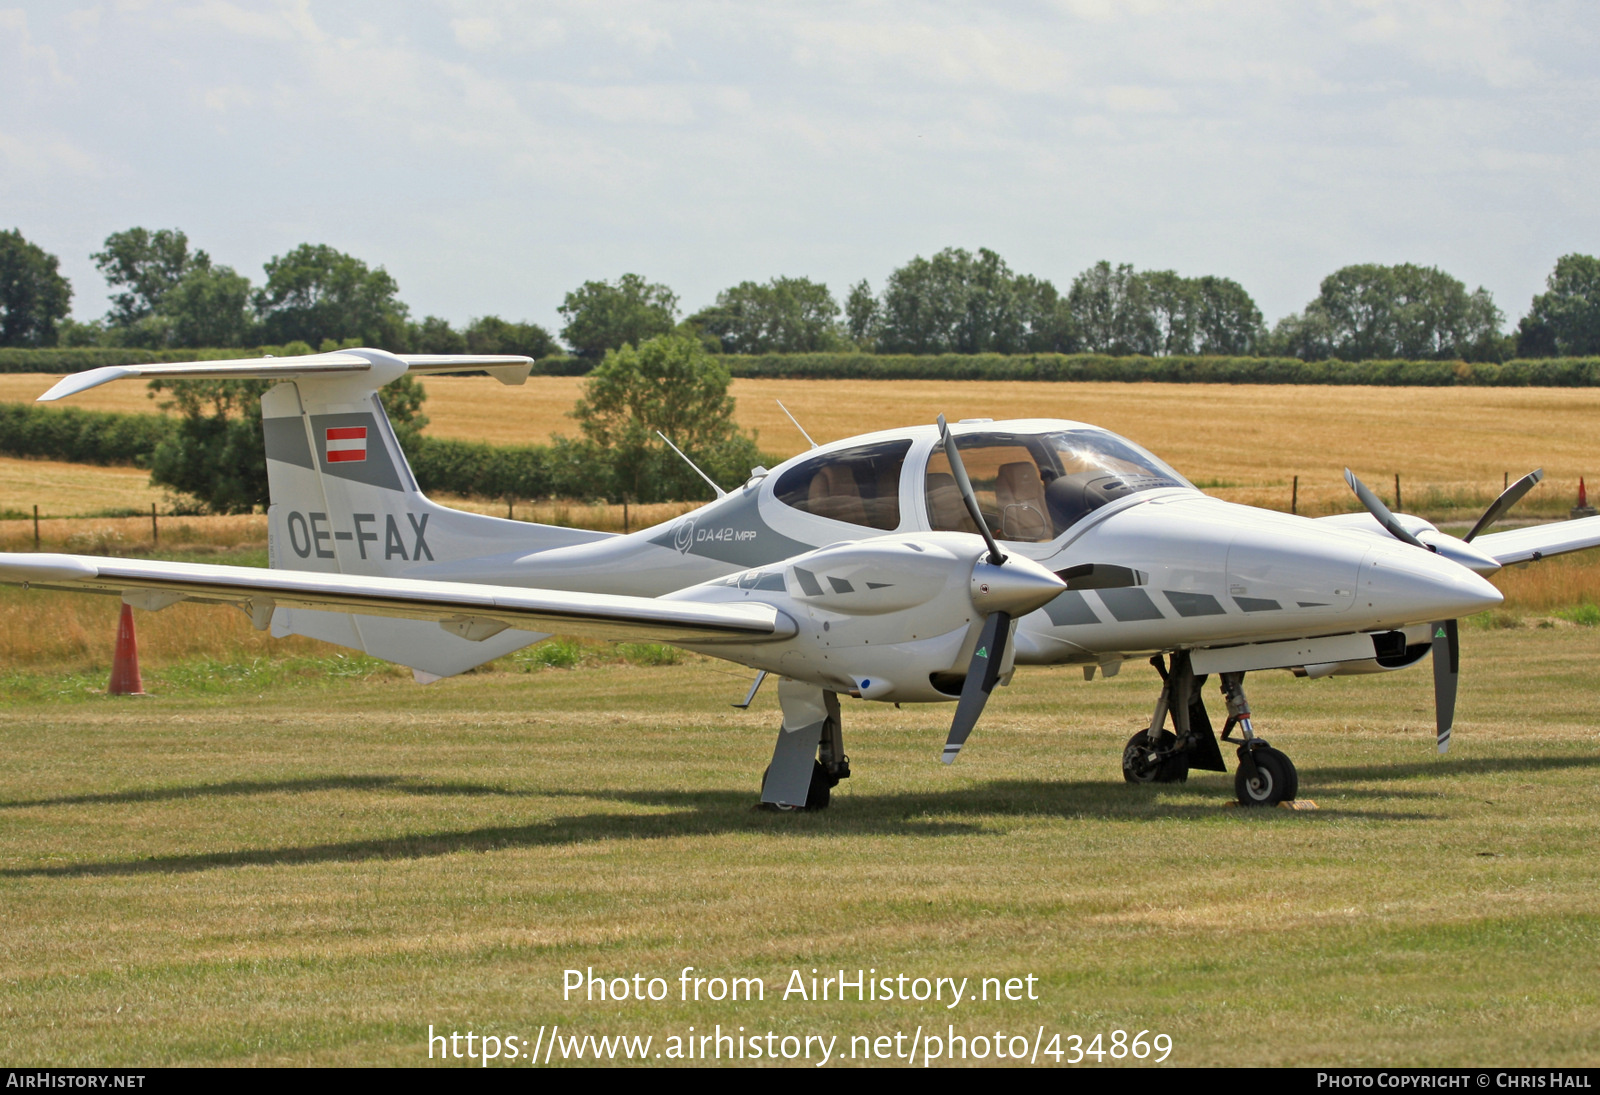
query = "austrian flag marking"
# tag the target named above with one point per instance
(346, 443)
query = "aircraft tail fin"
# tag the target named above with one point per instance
(344, 499)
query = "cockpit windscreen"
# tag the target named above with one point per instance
(1035, 486)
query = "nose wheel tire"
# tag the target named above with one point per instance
(1137, 767)
(1275, 779)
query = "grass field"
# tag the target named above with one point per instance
(1452, 447)
(259, 866)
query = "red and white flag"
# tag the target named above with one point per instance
(346, 443)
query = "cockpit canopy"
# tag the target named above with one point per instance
(1035, 486)
(860, 486)
(1031, 485)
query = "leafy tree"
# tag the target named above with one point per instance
(1173, 304)
(861, 315)
(146, 265)
(957, 302)
(1119, 310)
(1226, 319)
(1112, 310)
(315, 293)
(669, 383)
(209, 306)
(1565, 319)
(74, 334)
(434, 335)
(217, 456)
(603, 316)
(784, 316)
(1045, 317)
(34, 297)
(1367, 312)
(493, 335)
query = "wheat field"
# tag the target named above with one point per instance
(1452, 447)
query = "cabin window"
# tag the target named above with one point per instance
(859, 486)
(1033, 487)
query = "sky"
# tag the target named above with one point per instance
(493, 156)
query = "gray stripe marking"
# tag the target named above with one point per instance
(377, 470)
(730, 530)
(286, 441)
(1070, 609)
(1257, 604)
(1130, 605)
(1194, 604)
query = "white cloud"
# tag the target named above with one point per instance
(476, 33)
(462, 136)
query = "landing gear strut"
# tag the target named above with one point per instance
(809, 759)
(1266, 776)
(1158, 755)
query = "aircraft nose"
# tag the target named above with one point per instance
(1017, 586)
(1412, 585)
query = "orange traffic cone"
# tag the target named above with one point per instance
(125, 662)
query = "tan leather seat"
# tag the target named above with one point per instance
(947, 512)
(1019, 492)
(833, 493)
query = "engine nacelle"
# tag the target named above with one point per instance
(1395, 650)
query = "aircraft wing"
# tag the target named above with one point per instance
(1521, 545)
(506, 368)
(472, 611)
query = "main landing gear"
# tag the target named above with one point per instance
(809, 759)
(1265, 776)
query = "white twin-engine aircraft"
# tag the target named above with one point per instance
(909, 565)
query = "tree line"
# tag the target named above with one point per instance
(210, 452)
(168, 295)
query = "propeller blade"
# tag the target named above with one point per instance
(1508, 498)
(1446, 675)
(959, 471)
(982, 673)
(1376, 507)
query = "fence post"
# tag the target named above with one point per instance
(155, 533)
(1398, 504)
(624, 515)
(36, 527)
(1294, 496)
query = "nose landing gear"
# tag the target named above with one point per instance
(1266, 776)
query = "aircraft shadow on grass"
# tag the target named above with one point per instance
(956, 812)
(1456, 766)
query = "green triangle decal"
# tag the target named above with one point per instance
(983, 652)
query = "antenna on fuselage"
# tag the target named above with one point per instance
(712, 482)
(796, 422)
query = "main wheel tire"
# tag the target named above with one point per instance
(1136, 765)
(1276, 780)
(818, 795)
